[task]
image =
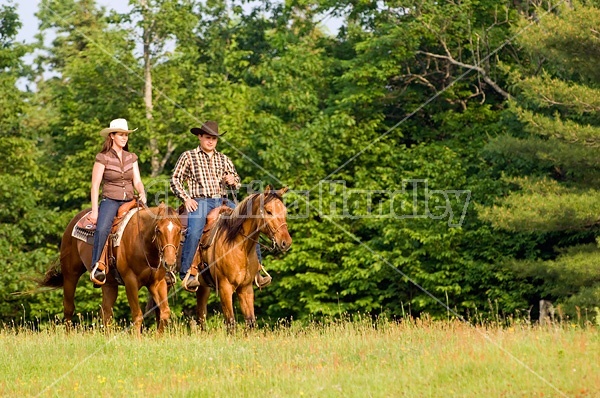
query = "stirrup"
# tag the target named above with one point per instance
(185, 281)
(267, 278)
(96, 268)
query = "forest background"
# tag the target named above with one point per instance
(413, 105)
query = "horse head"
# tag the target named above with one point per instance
(273, 214)
(167, 236)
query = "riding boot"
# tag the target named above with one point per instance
(98, 273)
(100, 269)
(262, 281)
(191, 282)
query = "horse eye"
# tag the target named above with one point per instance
(269, 212)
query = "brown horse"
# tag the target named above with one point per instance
(148, 249)
(232, 259)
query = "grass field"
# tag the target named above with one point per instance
(338, 359)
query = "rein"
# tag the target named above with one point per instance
(270, 233)
(140, 237)
(161, 250)
(262, 245)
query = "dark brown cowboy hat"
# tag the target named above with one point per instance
(210, 128)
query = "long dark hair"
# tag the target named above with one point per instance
(108, 142)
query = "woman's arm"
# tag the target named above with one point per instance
(137, 182)
(97, 174)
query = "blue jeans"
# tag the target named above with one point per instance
(196, 222)
(107, 211)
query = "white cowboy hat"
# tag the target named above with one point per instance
(116, 126)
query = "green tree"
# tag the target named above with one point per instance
(378, 74)
(550, 156)
(407, 91)
(27, 225)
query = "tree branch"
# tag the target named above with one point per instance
(479, 70)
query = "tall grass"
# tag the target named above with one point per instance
(337, 358)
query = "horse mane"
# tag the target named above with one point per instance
(166, 211)
(231, 225)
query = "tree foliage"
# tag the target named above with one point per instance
(390, 134)
(550, 155)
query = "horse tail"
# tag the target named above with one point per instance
(53, 278)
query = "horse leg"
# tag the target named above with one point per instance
(151, 305)
(159, 292)
(246, 294)
(201, 302)
(69, 285)
(109, 297)
(132, 288)
(226, 296)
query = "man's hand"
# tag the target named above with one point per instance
(190, 205)
(229, 179)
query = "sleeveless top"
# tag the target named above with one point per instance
(117, 181)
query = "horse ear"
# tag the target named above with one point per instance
(282, 191)
(268, 189)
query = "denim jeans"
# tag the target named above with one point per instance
(196, 222)
(107, 211)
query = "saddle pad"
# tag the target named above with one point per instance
(87, 234)
(119, 233)
(84, 230)
(85, 223)
(83, 235)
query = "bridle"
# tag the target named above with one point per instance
(161, 250)
(270, 231)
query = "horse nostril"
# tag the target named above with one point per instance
(283, 244)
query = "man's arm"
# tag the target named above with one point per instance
(179, 176)
(231, 176)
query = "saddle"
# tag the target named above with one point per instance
(85, 229)
(208, 236)
(209, 231)
(85, 225)
(211, 219)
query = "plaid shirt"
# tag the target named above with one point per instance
(203, 174)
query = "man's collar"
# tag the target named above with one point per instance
(200, 150)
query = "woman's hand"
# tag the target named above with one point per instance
(93, 217)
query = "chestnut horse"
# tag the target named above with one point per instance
(232, 259)
(148, 249)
